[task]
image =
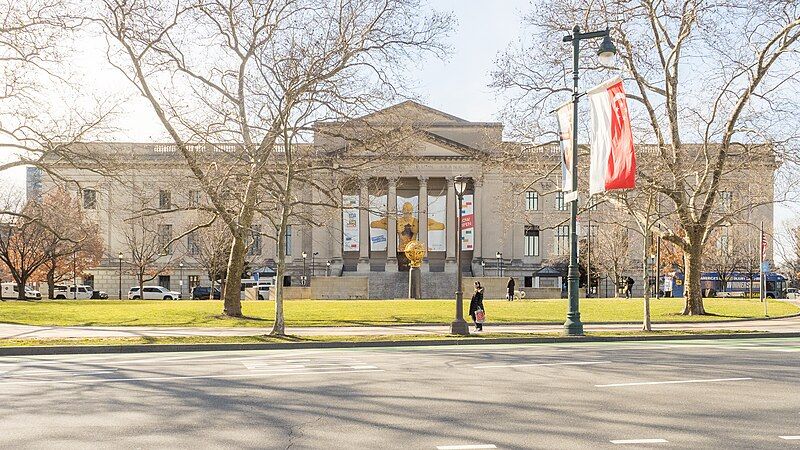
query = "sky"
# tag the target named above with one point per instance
(457, 85)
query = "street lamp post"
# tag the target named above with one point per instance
(180, 282)
(313, 254)
(573, 324)
(499, 256)
(483, 268)
(305, 280)
(658, 265)
(119, 256)
(74, 277)
(459, 325)
(328, 269)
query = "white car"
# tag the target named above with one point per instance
(85, 292)
(153, 293)
(10, 291)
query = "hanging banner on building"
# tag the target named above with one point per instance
(407, 220)
(468, 223)
(437, 217)
(564, 114)
(377, 223)
(350, 223)
(613, 162)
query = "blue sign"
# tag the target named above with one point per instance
(765, 266)
(256, 276)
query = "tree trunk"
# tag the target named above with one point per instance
(233, 281)
(279, 327)
(21, 289)
(51, 283)
(692, 289)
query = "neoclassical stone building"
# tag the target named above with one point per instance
(515, 220)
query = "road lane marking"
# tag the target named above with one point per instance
(791, 438)
(465, 447)
(639, 441)
(567, 363)
(648, 383)
(186, 377)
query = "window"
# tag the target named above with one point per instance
(194, 280)
(560, 205)
(164, 237)
(194, 199)
(164, 199)
(191, 244)
(288, 239)
(531, 240)
(562, 239)
(255, 245)
(726, 198)
(89, 199)
(163, 281)
(531, 201)
(593, 202)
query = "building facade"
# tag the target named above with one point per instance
(514, 217)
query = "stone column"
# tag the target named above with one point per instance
(422, 235)
(363, 226)
(391, 234)
(477, 204)
(450, 261)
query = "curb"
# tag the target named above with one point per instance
(167, 348)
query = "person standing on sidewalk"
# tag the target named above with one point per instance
(628, 287)
(475, 305)
(510, 289)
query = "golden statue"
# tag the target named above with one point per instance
(414, 251)
(407, 226)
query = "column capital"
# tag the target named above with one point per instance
(423, 180)
(392, 181)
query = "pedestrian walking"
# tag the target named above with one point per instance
(510, 289)
(476, 310)
(628, 287)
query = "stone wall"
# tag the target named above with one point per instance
(333, 288)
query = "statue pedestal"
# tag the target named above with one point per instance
(414, 283)
(363, 265)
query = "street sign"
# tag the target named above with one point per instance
(256, 276)
(571, 196)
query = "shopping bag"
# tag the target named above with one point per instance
(480, 316)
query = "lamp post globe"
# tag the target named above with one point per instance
(303, 278)
(606, 51)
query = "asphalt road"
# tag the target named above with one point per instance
(688, 394)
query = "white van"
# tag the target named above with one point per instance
(11, 291)
(85, 292)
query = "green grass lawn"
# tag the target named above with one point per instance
(362, 312)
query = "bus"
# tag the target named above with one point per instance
(737, 284)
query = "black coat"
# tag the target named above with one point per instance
(477, 302)
(511, 285)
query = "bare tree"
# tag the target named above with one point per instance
(43, 109)
(210, 246)
(717, 74)
(73, 243)
(148, 246)
(249, 80)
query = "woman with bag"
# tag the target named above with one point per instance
(476, 310)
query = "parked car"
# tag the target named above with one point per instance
(11, 290)
(85, 292)
(204, 293)
(153, 293)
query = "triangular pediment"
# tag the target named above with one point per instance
(411, 112)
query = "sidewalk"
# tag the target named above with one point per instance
(791, 324)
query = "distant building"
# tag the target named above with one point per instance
(33, 183)
(517, 225)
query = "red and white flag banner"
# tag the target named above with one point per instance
(613, 161)
(564, 114)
